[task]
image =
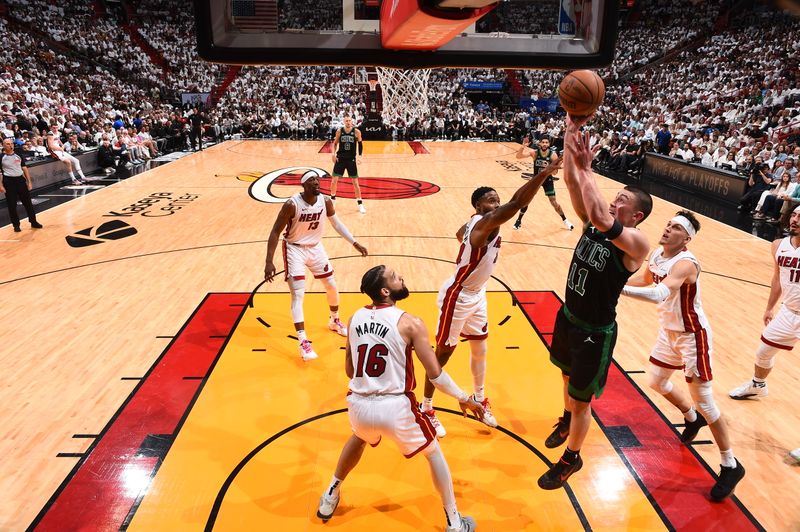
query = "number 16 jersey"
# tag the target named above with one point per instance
(382, 361)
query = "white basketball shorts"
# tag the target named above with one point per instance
(783, 331)
(689, 351)
(397, 417)
(461, 313)
(296, 258)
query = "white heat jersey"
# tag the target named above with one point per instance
(474, 266)
(682, 311)
(788, 259)
(382, 361)
(305, 228)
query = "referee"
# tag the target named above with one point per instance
(16, 184)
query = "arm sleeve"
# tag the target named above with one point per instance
(445, 384)
(360, 147)
(341, 229)
(655, 294)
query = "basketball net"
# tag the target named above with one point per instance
(405, 94)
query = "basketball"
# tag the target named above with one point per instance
(581, 92)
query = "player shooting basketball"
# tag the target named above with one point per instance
(610, 250)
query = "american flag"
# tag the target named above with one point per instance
(255, 14)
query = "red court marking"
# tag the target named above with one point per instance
(418, 147)
(327, 147)
(670, 472)
(374, 188)
(101, 490)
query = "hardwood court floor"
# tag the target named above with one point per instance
(83, 325)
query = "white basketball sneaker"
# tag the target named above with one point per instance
(467, 525)
(795, 455)
(488, 418)
(327, 506)
(306, 351)
(362, 209)
(337, 326)
(431, 415)
(750, 389)
(568, 224)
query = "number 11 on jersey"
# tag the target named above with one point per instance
(577, 279)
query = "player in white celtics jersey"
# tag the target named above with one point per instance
(381, 400)
(782, 329)
(672, 281)
(302, 216)
(462, 298)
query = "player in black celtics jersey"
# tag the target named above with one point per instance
(609, 251)
(345, 158)
(543, 155)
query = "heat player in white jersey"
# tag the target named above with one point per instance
(302, 216)
(672, 281)
(782, 329)
(462, 298)
(381, 400)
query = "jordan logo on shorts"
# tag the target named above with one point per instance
(588, 339)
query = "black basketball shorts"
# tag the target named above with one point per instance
(345, 164)
(582, 352)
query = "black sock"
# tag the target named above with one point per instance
(570, 456)
(567, 416)
(562, 216)
(333, 197)
(358, 201)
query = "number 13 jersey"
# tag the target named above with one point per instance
(382, 361)
(305, 227)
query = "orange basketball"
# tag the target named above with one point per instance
(581, 92)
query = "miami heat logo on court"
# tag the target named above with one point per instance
(374, 188)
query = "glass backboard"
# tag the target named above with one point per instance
(565, 34)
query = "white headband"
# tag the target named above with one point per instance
(685, 223)
(308, 175)
(795, 209)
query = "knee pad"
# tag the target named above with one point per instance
(297, 288)
(765, 356)
(658, 379)
(704, 399)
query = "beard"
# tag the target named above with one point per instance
(399, 295)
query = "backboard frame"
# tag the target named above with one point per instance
(215, 43)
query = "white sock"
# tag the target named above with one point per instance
(690, 415)
(479, 394)
(427, 403)
(334, 315)
(301, 335)
(80, 173)
(333, 488)
(727, 459)
(72, 175)
(756, 380)
(477, 363)
(444, 485)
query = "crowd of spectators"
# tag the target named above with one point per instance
(97, 38)
(522, 16)
(717, 100)
(171, 33)
(323, 15)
